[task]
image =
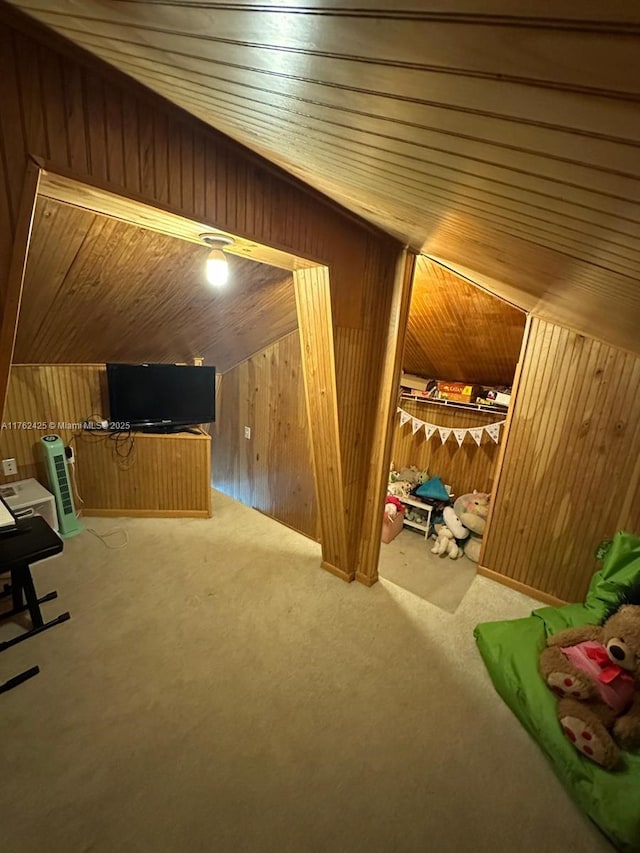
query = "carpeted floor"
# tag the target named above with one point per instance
(216, 692)
(407, 561)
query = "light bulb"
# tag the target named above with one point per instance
(217, 268)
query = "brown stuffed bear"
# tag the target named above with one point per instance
(595, 670)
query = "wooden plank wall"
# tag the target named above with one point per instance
(84, 119)
(149, 476)
(570, 462)
(464, 468)
(50, 394)
(400, 295)
(360, 347)
(313, 301)
(273, 471)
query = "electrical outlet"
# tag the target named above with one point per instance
(9, 466)
(247, 432)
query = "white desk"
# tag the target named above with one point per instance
(27, 498)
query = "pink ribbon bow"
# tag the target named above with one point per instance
(610, 670)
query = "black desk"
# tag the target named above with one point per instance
(31, 541)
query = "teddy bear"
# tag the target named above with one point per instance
(472, 510)
(595, 669)
(451, 530)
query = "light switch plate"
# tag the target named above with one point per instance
(247, 432)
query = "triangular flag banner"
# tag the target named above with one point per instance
(429, 430)
(459, 434)
(445, 432)
(494, 431)
(404, 417)
(476, 435)
(416, 425)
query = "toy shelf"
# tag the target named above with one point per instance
(422, 526)
(470, 407)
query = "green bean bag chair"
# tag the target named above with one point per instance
(510, 651)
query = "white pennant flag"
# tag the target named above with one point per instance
(476, 435)
(429, 430)
(404, 417)
(494, 431)
(416, 425)
(445, 432)
(459, 434)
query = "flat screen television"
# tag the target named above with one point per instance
(160, 397)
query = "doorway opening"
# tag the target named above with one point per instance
(109, 278)
(461, 351)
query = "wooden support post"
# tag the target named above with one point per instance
(369, 544)
(313, 302)
(12, 290)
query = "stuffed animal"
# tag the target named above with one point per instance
(472, 510)
(416, 515)
(451, 530)
(595, 670)
(411, 475)
(392, 507)
(399, 489)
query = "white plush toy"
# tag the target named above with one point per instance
(400, 489)
(451, 530)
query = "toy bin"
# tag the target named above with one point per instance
(390, 529)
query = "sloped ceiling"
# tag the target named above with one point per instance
(498, 136)
(457, 332)
(97, 289)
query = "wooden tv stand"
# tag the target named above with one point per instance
(166, 475)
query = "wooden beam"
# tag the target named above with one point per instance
(126, 207)
(15, 279)
(313, 301)
(369, 541)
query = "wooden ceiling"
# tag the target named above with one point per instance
(458, 332)
(98, 289)
(499, 136)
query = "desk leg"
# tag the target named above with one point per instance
(32, 599)
(16, 587)
(22, 580)
(19, 679)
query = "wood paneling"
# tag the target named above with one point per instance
(98, 200)
(313, 299)
(98, 290)
(457, 331)
(380, 453)
(566, 471)
(162, 475)
(501, 138)
(59, 111)
(12, 288)
(52, 396)
(153, 476)
(273, 470)
(464, 468)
